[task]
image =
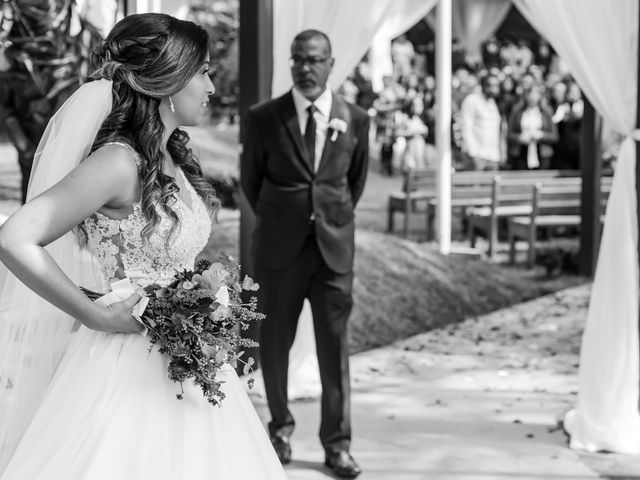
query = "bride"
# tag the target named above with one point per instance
(87, 399)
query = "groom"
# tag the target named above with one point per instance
(303, 170)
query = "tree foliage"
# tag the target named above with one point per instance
(221, 20)
(45, 46)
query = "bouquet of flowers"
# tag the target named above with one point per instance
(196, 321)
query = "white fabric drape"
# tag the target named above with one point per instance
(33, 334)
(351, 26)
(474, 21)
(398, 22)
(103, 14)
(599, 42)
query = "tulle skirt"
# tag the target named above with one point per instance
(112, 413)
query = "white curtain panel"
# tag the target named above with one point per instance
(102, 14)
(598, 39)
(474, 21)
(350, 24)
(396, 23)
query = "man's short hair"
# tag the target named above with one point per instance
(309, 34)
(484, 80)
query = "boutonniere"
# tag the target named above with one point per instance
(337, 125)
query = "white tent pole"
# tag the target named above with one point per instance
(142, 6)
(443, 124)
(147, 6)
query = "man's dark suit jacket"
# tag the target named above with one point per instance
(284, 192)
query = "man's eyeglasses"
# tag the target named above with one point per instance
(298, 61)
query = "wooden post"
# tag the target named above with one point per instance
(591, 166)
(255, 75)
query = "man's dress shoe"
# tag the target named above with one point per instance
(282, 446)
(342, 464)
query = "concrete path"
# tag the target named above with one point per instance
(442, 424)
(444, 405)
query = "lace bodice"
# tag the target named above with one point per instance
(121, 252)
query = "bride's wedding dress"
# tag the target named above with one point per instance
(111, 412)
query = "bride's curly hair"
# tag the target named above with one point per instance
(149, 57)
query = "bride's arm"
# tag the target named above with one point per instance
(108, 177)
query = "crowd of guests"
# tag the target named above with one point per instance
(516, 107)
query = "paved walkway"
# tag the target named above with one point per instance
(478, 401)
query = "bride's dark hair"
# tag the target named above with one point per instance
(148, 57)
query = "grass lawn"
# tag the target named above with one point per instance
(402, 287)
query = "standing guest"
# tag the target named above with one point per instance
(480, 122)
(557, 100)
(303, 170)
(348, 90)
(413, 129)
(568, 117)
(402, 53)
(527, 82)
(508, 97)
(430, 53)
(387, 138)
(458, 55)
(532, 132)
(428, 113)
(411, 84)
(543, 55)
(508, 57)
(523, 57)
(386, 105)
(362, 80)
(491, 53)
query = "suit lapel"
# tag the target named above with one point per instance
(338, 110)
(290, 119)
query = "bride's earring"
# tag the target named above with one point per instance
(171, 106)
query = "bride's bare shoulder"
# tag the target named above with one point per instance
(115, 160)
(115, 167)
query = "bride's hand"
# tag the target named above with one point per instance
(118, 318)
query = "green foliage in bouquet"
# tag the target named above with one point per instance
(196, 321)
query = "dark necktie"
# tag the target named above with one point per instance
(310, 134)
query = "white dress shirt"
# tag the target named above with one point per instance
(481, 127)
(323, 104)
